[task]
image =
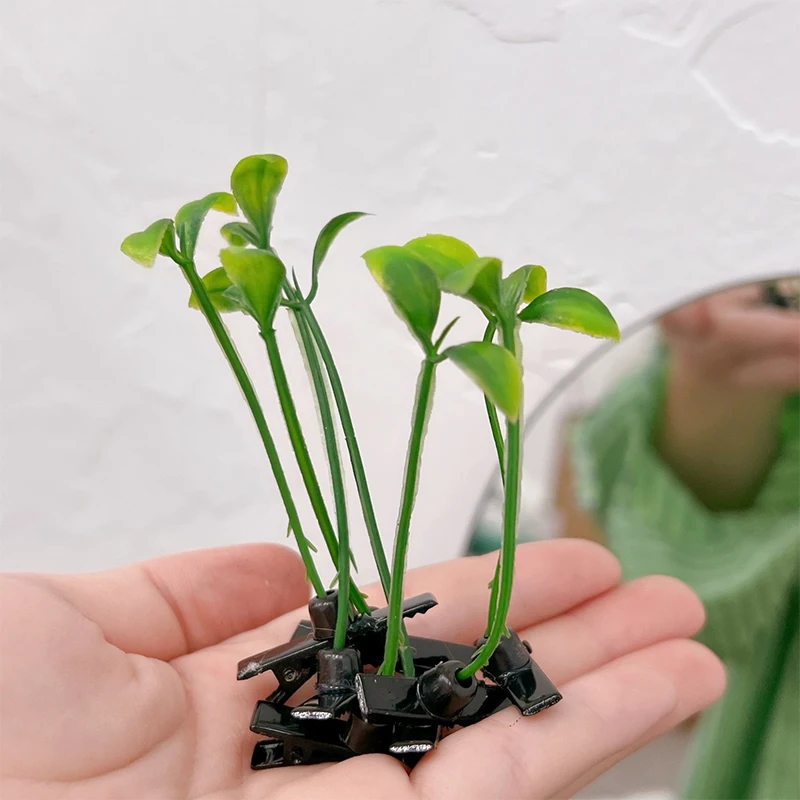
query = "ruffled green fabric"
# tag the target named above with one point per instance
(744, 566)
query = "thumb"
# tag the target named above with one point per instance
(175, 605)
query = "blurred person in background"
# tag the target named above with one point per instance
(691, 468)
(689, 465)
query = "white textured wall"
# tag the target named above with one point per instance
(644, 150)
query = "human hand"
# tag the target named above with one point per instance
(734, 339)
(121, 684)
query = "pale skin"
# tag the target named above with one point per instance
(120, 684)
(732, 361)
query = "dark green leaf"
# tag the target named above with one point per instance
(574, 309)
(522, 286)
(239, 234)
(443, 254)
(411, 286)
(258, 275)
(325, 240)
(144, 246)
(224, 296)
(190, 217)
(479, 281)
(255, 183)
(495, 370)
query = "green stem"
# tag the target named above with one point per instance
(491, 412)
(497, 626)
(304, 462)
(337, 478)
(499, 446)
(306, 313)
(245, 384)
(356, 462)
(419, 418)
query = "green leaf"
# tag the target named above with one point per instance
(495, 370)
(224, 296)
(443, 254)
(255, 183)
(522, 286)
(573, 309)
(144, 246)
(411, 287)
(190, 217)
(479, 281)
(324, 242)
(239, 234)
(537, 283)
(512, 288)
(443, 335)
(258, 275)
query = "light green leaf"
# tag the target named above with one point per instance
(522, 286)
(239, 234)
(574, 309)
(190, 217)
(495, 370)
(258, 275)
(324, 242)
(255, 183)
(443, 254)
(479, 281)
(144, 246)
(537, 283)
(512, 288)
(224, 296)
(411, 286)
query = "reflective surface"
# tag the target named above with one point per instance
(742, 342)
(679, 449)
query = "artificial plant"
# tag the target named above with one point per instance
(253, 280)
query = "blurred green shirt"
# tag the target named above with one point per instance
(744, 566)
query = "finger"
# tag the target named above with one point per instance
(738, 297)
(771, 331)
(175, 605)
(550, 578)
(617, 623)
(659, 729)
(778, 372)
(627, 619)
(603, 714)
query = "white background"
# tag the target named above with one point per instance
(643, 150)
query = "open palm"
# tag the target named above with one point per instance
(121, 684)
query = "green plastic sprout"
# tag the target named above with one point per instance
(252, 280)
(414, 276)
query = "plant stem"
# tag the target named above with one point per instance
(337, 478)
(491, 412)
(497, 624)
(356, 462)
(245, 384)
(306, 314)
(499, 446)
(419, 418)
(304, 462)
